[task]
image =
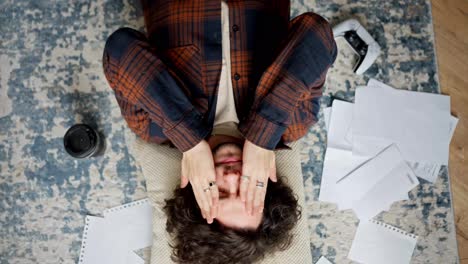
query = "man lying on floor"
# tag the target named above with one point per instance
(226, 82)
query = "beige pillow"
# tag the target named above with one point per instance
(161, 169)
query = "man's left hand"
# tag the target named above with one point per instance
(258, 165)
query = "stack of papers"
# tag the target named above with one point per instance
(366, 184)
(117, 236)
(377, 147)
(419, 123)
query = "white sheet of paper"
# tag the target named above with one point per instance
(134, 222)
(339, 160)
(426, 101)
(393, 187)
(430, 171)
(114, 238)
(453, 126)
(417, 122)
(427, 171)
(349, 135)
(376, 242)
(323, 260)
(354, 186)
(133, 258)
(93, 241)
(326, 116)
(340, 122)
(99, 244)
(337, 164)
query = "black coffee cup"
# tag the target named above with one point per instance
(82, 141)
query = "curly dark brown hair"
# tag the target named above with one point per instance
(197, 242)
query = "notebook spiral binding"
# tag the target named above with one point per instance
(84, 239)
(394, 229)
(132, 204)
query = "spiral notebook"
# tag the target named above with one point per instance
(116, 237)
(377, 242)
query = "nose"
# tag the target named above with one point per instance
(231, 170)
(232, 180)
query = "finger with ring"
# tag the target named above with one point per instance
(243, 187)
(200, 200)
(259, 198)
(208, 198)
(250, 197)
(214, 198)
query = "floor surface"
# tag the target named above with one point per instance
(51, 78)
(451, 37)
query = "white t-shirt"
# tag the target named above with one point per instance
(226, 119)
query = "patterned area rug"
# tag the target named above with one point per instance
(51, 78)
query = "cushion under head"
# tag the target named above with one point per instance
(160, 165)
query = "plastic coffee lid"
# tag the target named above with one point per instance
(81, 141)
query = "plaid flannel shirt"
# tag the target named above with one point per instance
(166, 81)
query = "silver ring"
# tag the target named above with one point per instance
(245, 177)
(206, 189)
(260, 184)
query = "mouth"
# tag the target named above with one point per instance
(230, 160)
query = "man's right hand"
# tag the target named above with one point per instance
(198, 169)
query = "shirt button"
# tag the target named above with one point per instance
(235, 28)
(236, 76)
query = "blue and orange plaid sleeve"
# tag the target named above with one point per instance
(288, 93)
(151, 101)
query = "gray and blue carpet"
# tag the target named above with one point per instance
(51, 78)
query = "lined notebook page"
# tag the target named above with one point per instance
(377, 242)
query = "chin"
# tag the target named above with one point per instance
(226, 148)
